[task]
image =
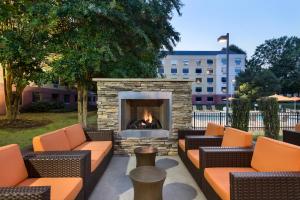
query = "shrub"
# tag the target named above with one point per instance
(269, 108)
(44, 106)
(240, 113)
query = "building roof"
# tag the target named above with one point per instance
(198, 53)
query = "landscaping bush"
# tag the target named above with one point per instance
(240, 113)
(44, 106)
(269, 108)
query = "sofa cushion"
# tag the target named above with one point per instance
(272, 155)
(75, 135)
(236, 138)
(218, 179)
(53, 141)
(99, 149)
(297, 127)
(214, 129)
(12, 166)
(61, 188)
(194, 156)
(181, 144)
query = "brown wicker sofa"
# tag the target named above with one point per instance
(273, 172)
(73, 140)
(212, 131)
(20, 177)
(292, 136)
(233, 138)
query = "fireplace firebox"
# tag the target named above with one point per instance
(145, 110)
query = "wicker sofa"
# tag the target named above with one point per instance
(273, 172)
(73, 140)
(232, 139)
(20, 177)
(292, 136)
(212, 130)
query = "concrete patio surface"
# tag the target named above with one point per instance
(115, 183)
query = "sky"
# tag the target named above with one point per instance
(249, 22)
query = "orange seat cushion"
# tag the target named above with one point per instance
(297, 128)
(194, 156)
(75, 135)
(236, 138)
(53, 141)
(12, 167)
(273, 155)
(214, 129)
(61, 188)
(218, 179)
(181, 144)
(99, 149)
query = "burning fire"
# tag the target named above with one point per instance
(147, 116)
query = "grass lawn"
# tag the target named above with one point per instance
(24, 136)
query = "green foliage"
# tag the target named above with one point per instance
(274, 67)
(269, 108)
(240, 113)
(43, 106)
(235, 49)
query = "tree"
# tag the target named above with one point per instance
(25, 30)
(106, 37)
(235, 49)
(281, 56)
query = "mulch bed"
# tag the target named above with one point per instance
(23, 123)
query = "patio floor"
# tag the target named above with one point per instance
(116, 185)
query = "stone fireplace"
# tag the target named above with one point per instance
(144, 112)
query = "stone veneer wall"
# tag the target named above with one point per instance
(108, 111)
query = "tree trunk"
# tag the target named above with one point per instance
(84, 106)
(79, 103)
(7, 78)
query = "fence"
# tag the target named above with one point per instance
(288, 120)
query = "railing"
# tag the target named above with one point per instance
(288, 120)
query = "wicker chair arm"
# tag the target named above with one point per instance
(59, 164)
(291, 137)
(194, 142)
(225, 157)
(25, 193)
(264, 185)
(99, 135)
(185, 132)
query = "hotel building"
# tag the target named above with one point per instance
(208, 71)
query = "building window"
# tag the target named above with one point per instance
(94, 98)
(210, 89)
(185, 63)
(198, 70)
(55, 97)
(55, 83)
(223, 98)
(75, 98)
(198, 98)
(223, 79)
(185, 70)
(223, 89)
(210, 61)
(173, 62)
(237, 70)
(174, 70)
(224, 61)
(210, 80)
(198, 80)
(210, 71)
(238, 61)
(161, 70)
(210, 99)
(36, 97)
(198, 89)
(66, 98)
(198, 63)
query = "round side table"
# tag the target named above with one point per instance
(148, 182)
(145, 156)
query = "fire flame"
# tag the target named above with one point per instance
(147, 116)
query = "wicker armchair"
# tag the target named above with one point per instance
(292, 137)
(45, 165)
(256, 183)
